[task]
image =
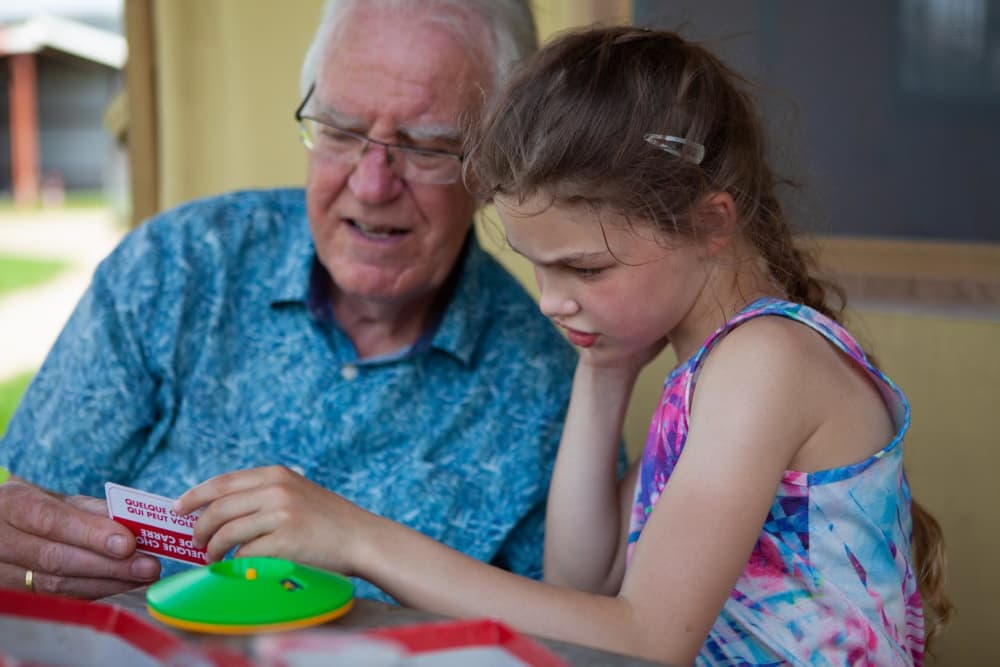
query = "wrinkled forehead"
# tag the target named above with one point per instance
(404, 63)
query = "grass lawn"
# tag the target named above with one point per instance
(20, 272)
(74, 199)
(10, 395)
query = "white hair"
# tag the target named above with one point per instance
(509, 23)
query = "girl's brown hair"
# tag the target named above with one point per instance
(572, 125)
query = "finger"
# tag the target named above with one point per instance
(28, 551)
(30, 510)
(12, 576)
(222, 511)
(88, 504)
(224, 485)
(279, 490)
(243, 531)
(276, 545)
(266, 545)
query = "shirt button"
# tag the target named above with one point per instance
(298, 470)
(349, 372)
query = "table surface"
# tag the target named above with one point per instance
(367, 614)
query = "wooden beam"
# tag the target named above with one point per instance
(949, 279)
(24, 128)
(142, 133)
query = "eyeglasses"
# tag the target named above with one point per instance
(412, 163)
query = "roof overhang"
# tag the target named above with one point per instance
(79, 39)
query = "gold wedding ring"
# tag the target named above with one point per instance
(29, 581)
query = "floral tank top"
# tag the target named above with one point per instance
(830, 580)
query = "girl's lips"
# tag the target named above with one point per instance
(579, 338)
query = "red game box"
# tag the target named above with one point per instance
(47, 631)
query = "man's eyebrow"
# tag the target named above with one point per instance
(433, 132)
(443, 132)
(328, 112)
(571, 258)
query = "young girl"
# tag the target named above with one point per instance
(769, 519)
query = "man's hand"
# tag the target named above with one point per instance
(69, 544)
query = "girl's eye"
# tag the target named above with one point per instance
(586, 272)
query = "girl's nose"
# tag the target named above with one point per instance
(553, 308)
(554, 301)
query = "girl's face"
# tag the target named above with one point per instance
(616, 289)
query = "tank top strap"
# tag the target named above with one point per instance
(836, 334)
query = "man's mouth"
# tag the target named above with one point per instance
(375, 232)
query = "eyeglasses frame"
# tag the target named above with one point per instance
(366, 141)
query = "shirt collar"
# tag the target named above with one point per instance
(291, 278)
(467, 316)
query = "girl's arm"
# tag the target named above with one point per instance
(584, 527)
(752, 412)
(753, 409)
(276, 512)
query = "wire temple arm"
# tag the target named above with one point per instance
(682, 148)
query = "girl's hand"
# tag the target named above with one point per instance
(275, 512)
(626, 362)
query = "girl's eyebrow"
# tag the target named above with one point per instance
(571, 258)
(443, 132)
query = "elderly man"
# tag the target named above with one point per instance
(355, 334)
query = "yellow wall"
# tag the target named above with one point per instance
(950, 369)
(227, 86)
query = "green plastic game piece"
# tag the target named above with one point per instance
(244, 595)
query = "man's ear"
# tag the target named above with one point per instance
(717, 218)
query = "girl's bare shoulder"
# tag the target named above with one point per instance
(797, 374)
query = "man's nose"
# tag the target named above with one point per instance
(373, 179)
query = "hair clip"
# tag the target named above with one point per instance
(682, 148)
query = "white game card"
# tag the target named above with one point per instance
(158, 530)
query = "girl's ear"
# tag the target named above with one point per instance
(717, 218)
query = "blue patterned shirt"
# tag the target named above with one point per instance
(195, 352)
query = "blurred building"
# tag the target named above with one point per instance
(57, 78)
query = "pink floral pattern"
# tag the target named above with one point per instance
(830, 580)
